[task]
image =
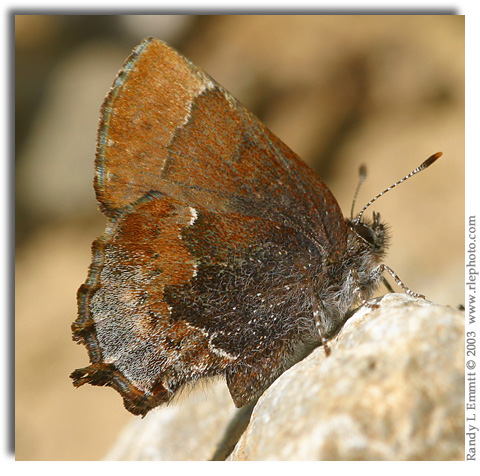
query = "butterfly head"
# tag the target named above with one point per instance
(372, 235)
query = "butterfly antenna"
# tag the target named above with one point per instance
(362, 175)
(421, 167)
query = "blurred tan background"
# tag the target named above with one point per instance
(387, 91)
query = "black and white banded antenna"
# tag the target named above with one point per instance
(421, 167)
(362, 175)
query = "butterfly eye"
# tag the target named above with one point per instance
(366, 233)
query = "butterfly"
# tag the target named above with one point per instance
(224, 254)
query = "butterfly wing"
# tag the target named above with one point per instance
(214, 230)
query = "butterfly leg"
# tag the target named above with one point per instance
(383, 267)
(361, 295)
(318, 312)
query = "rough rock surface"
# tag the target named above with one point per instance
(392, 389)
